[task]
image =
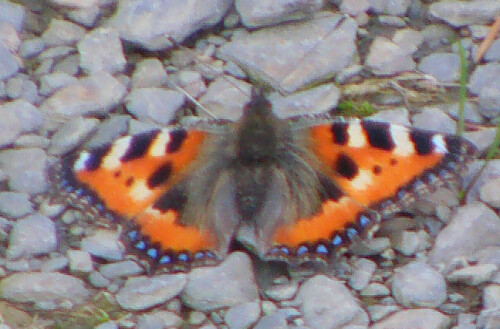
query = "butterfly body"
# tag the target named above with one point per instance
(292, 190)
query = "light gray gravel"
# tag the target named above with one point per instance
(415, 318)
(387, 58)
(15, 205)
(149, 73)
(26, 169)
(444, 67)
(156, 104)
(62, 33)
(71, 134)
(243, 315)
(103, 244)
(101, 50)
(33, 235)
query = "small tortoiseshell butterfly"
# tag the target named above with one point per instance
(292, 190)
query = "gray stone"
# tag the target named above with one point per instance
(149, 73)
(408, 40)
(71, 134)
(398, 116)
(327, 303)
(226, 97)
(12, 14)
(62, 33)
(54, 264)
(395, 8)
(243, 316)
(473, 275)
(47, 290)
(274, 321)
(484, 76)
(15, 205)
(409, 242)
(109, 130)
(9, 64)
(488, 193)
(31, 141)
(460, 13)
(95, 94)
(491, 296)
(489, 101)
(98, 280)
(141, 292)
(255, 13)
(31, 47)
(418, 284)
(312, 101)
(104, 244)
(138, 23)
(432, 118)
(22, 87)
(120, 269)
(101, 50)
(444, 67)
(192, 82)
(74, 3)
(473, 228)
(155, 104)
(10, 37)
(159, 320)
(362, 272)
(375, 289)
(354, 7)
(107, 325)
(293, 56)
(415, 318)
(226, 285)
(85, 16)
(68, 65)
(80, 261)
(378, 312)
(493, 52)
(391, 21)
(196, 317)
(49, 83)
(470, 111)
(26, 169)
(33, 235)
(386, 58)
(281, 292)
(55, 53)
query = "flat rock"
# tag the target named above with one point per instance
(15, 205)
(95, 94)
(257, 13)
(79, 261)
(101, 50)
(460, 13)
(74, 3)
(395, 8)
(142, 292)
(49, 83)
(18, 117)
(33, 235)
(47, 290)
(474, 227)
(26, 169)
(159, 320)
(387, 58)
(156, 104)
(243, 315)
(224, 97)
(444, 67)
(109, 130)
(488, 193)
(432, 118)
(419, 285)
(104, 244)
(493, 52)
(312, 101)
(62, 33)
(120, 269)
(415, 318)
(483, 76)
(71, 134)
(399, 116)
(226, 285)
(473, 275)
(149, 73)
(292, 56)
(491, 296)
(275, 321)
(327, 303)
(12, 14)
(363, 271)
(137, 22)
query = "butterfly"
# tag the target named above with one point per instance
(292, 190)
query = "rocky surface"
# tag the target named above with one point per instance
(84, 72)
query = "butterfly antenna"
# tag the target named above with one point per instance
(192, 99)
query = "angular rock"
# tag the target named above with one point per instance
(226, 285)
(104, 244)
(387, 58)
(292, 56)
(141, 292)
(138, 23)
(419, 285)
(327, 303)
(149, 73)
(62, 33)
(460, 13)
(257, 13)
(12, 14)
(395, 8)
(363, 271)
(26, 169)
(473, 275)
(109, 130)
(15, 205)
(33, 235)
(9, 64)
(157, 104)
(432, 118)
(444, 67)
(474, 227)
(50, 290)
(96, 94)
(49, 83)
(101, 50)
(71, 134)
(415, 318)
(159, 320)
(243, 315)
(80, 261)
(488, 193)
(120, 269)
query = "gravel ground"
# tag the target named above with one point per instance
(76, 72)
